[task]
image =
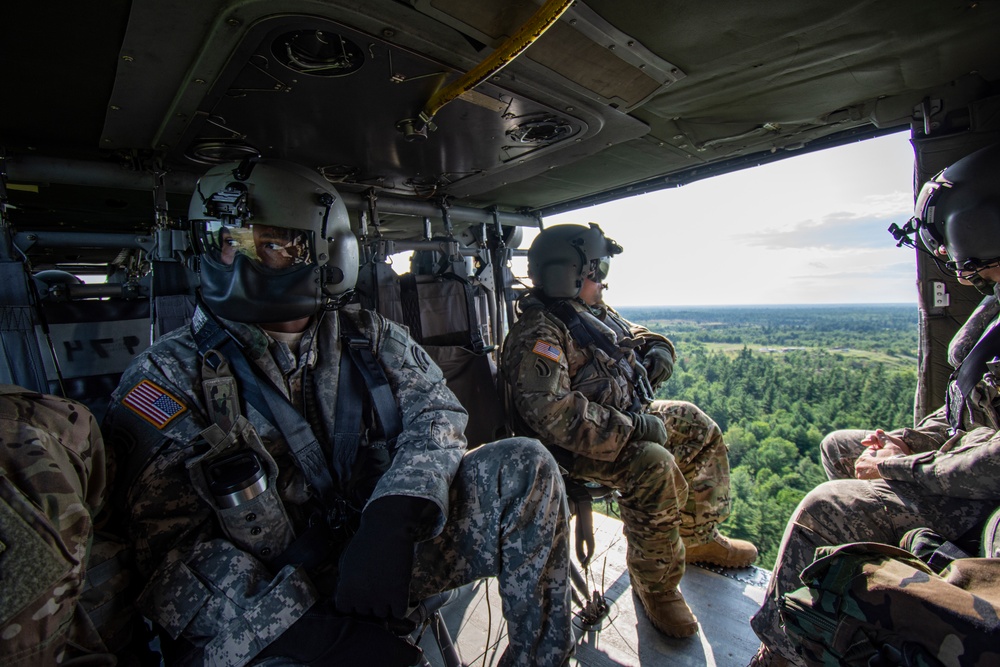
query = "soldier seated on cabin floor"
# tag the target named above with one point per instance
(580, 377)
(53, 474)
(945, 474)
(296, 474)
(841, 450)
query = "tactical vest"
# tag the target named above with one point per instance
(588, 336)
(237, 468)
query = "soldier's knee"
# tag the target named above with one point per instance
(650, 461)
(526, 454)
(830, 498)
(829, 448)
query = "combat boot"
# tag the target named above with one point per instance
(668, 612)
(723, 551)
(765, 657)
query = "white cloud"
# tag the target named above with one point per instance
(809, 229)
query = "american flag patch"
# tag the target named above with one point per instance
(543, 349)
(153, 404)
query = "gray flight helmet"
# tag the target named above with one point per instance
(560, 258)
(959, 210)
(282, 195)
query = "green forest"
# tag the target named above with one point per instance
(776, 380)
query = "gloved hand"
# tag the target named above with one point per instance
(376, 566)
(659, 363)
(648, 428)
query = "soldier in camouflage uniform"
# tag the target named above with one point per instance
(580, 378)
(840, 449)
(945, 474)
(254, 547)
(53, 474)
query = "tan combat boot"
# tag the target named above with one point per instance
(668, 612)
(723, 551)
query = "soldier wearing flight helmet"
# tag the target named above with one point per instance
(943, 475)
(296, 474)
(580, 377)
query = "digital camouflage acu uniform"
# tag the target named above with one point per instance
(950, 486)
(53, 474)
(840, 449)
(500, 510)
(578, 398)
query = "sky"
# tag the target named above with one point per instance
(809, 229)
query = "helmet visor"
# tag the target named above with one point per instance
(599, 269)
(272, 248)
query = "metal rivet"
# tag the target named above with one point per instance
(251, 517)
(234, 22)
(255, 530)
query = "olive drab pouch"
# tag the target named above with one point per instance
(237, 477)
(33, 556)
(874, 604)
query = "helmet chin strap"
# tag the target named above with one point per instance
(984, 286)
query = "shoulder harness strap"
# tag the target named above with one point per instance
(968, 375)
(360, 371)
(271, 403)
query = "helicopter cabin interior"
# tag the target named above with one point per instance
(446, 126)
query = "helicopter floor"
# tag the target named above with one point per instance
(723, 601)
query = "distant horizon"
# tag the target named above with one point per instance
(775, 305)
(809, 229)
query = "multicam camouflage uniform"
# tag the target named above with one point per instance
(578, 397)
(53, 474)
(950, 489)
(501, 508)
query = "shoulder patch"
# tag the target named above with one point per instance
(546, 350)
(153, 403)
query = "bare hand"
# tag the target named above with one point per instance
(880, 438)
(880, 447)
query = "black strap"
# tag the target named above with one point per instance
(478, 345)
(972, 370)
(272, 404)
(359, 349)
(211, 336)
(409, 301)
(347, 427)
(587, 336)
(583, 334)
(259, 392)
